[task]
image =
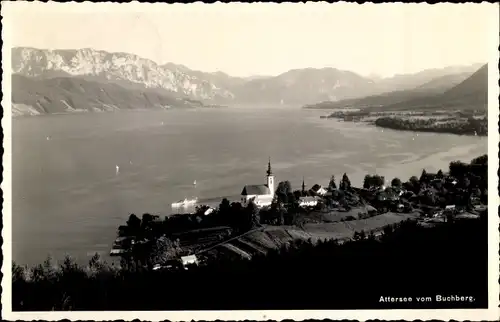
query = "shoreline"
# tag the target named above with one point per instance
(441, 122)
(427, 130)
(118, 110)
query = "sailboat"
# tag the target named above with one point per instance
(194, 183)
(117, 169)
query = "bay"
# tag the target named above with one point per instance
(69, 199)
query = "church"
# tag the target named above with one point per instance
(263, 194)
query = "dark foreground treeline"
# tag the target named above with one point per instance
(407, 260)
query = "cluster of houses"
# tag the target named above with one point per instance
(400, 198)
(373, 200)
(263, 195)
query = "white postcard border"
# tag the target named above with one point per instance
(493, 313)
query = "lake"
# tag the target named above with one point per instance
(68, 198)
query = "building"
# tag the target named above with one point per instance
(189, 260)
(319, 190)
(308, 201)
(261, 195)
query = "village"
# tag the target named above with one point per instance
(270, 217)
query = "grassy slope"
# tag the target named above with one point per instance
(273, 237)
(62, 94)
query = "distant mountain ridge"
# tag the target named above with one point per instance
(113, 67)
(470, 94)
(463, 90)
(101, 69)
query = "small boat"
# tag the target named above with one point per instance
(48, 138)
(184, 203)
(194, 183)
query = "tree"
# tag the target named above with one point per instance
(483, 160)
(423, 176)
(284, 188)
(247, 217)
(440, 174)
(163, 250)
(332, 185)
(367, 181)
(396, 182)
(412, 185)
(96, 265)
(373, 181)
(134, 224)
(458, 169)
(345, 184)
(146, 220)
(224, 206)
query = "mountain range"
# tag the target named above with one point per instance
(459, 91)
(58, 81)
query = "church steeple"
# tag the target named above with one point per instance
(269, 171)
(303, 185)
(270, 178)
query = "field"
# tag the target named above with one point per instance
(274, 237)
(332, 216)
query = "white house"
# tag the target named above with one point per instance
(308, 201)
(319, 190)
(262, 195)
(187, 260)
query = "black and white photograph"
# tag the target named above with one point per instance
(250, 161)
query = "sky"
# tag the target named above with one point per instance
(267, 39)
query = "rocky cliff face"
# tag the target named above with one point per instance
(122, 68)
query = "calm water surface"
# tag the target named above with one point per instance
(68, 198)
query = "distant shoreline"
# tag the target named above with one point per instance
(452, 122)
(432, 130)
(470, 126)
(26, 115)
